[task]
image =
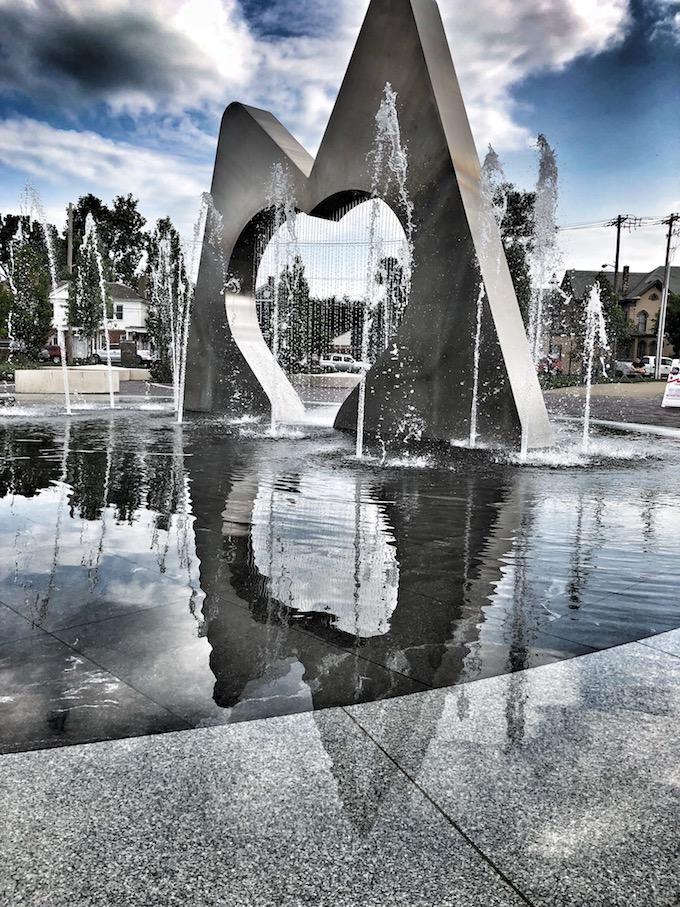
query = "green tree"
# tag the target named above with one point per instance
(619, 328)
(294, 316)
(32, 310)
(125, 239)
(120, 230)
(166, 281)
(517, 230)
(90, 205)
(86, 307)
(673, 322)
(6, 300)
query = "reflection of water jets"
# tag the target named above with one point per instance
(648, 518)
(522, 635)
(295, 543)
(280, 690)
(483, 588)
(581, 561)
(361, 594)
(44, 602)
(93, 572)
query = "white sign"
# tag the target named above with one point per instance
(672, 395)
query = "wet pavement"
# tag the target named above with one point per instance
(633, 403)
(154, 579)
(405, 628)
(554, 787)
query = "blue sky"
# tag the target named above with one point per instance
(114, 96)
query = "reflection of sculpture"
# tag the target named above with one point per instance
(327, 588)
(403, 42)
(347, 544)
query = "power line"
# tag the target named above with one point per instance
(633, 223)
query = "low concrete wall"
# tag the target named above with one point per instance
(50, 381)
(125, 374)
(329, 379)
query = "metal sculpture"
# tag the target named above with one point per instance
(456, 243)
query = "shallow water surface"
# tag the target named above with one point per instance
(154, 578)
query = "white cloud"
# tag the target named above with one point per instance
(137, 58)
(173, 65)
(174, 56)
(668, 21)
(163, 183)
(641, 250)
(496, 44)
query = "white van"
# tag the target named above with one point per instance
(341, 362)
(649, 363)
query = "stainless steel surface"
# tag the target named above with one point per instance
(401, 42)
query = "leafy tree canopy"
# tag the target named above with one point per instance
(673, 322)
(120, 229)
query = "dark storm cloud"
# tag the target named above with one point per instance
(290, 18)
(48, 51)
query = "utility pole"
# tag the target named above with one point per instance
(672, 218)
(69, 239)
(618, 222)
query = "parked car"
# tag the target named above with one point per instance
(649, 363)
(51, 353)
(99, 355)
(12, 346)
(550, 365)
(146, 357)
(341, 362)
(625, 369)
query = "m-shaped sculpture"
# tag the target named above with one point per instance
(456, 244)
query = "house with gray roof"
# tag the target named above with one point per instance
(640, 297)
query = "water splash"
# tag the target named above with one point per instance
(545, 258)
(172, 285)
(388, 163)
(90, 249)
(494, 197)
(281, 200)
(33, 203)
(596, 340)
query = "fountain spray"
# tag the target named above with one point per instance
(90, 248)
(596, 337)
(494, 194)
(35, 209)
(281, 200)
(545, 255)
(388, 163)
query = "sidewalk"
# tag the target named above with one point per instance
(553, 787)
(636, 403)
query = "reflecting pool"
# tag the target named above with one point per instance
(154, 578)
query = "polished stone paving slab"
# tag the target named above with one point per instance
(552, 786)
(53, 696)
(665, 642)
(207, 681)
(300, 810)
(565, 775)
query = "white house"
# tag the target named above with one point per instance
(128, 321)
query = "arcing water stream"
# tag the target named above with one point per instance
(388, 161)
(494, 196)
(596, 340)
(545, 258)
(36, 211)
